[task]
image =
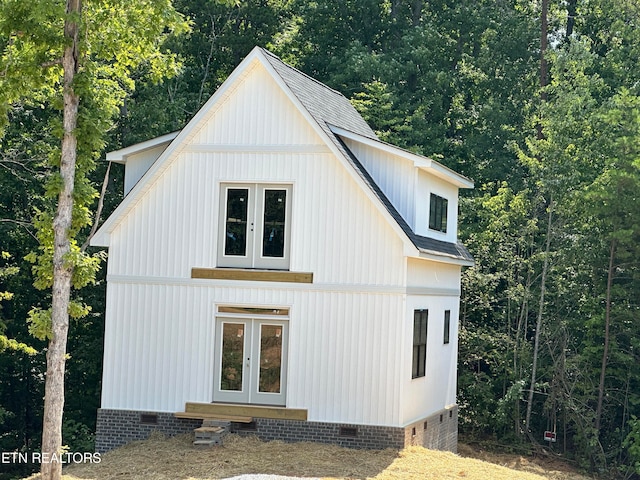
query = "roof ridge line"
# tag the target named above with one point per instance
(302, 73)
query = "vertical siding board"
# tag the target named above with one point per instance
(152, 306)
(349, 345)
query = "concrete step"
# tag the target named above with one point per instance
(211, 433)
(207, 443)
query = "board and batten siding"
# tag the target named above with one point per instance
(395, 176)
(426, 185)
(336, 230)
(437, 389)
(255, 112)
(434, 286)
(345, 327)
(344, 362)
(138, 163)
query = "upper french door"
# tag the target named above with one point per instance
(255, 226)
(250, 362)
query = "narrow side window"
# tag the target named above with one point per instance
(420, 321)
(447, 326)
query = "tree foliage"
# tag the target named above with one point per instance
(455, 80)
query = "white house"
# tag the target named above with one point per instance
(276, 264)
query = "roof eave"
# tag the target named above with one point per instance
(418, 161)
(444, 258)
(120, 156)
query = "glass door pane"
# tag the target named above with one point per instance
(273, 233)
(236, 222)
(270, 358)
(231, 374)
(250, 363)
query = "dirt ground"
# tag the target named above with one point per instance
(161, 458)
(547, 465)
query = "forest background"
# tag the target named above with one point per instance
(550, 316)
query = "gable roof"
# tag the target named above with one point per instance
(329, 112)
(325, 105)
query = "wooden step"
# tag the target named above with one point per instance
(206, 416)
(228, 410)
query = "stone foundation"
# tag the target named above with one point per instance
(439, 432)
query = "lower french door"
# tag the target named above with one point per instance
(250, 363)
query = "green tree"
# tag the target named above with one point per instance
(8, 343)
(79, 58)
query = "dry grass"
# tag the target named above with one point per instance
(175, 458)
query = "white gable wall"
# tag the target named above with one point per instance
(138, 163)
(345, 364)
(256, 112)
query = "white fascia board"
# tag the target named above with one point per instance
(444, 258)
(101, 238)
(418, 161)
(120, 156)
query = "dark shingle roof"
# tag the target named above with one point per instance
(325, 105)
(329, 107)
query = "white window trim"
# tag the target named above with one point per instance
(255, 228)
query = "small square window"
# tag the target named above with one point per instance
(438, 213)
(447, 326)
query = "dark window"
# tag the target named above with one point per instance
(438, 213)
(420, 318)
(275, 202)
(447, 325)
(236, 231)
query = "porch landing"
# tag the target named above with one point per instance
(239, 413)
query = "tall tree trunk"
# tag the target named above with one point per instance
(62, 270)
(544, 42)
(536, 343)
(572, 9)
(517, 365)
(607, 323)
(544, 67)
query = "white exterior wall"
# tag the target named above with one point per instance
(336, 230)
(137, 164)
(437, 287)
(395, 176)
(343, 363)
(428, 184)
(345, 327)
